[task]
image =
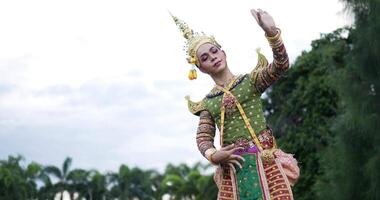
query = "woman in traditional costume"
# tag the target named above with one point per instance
(249, 164)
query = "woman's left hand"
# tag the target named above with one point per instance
(265, 21)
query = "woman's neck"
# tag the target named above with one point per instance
(223, 78)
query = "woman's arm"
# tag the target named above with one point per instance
(264, 76)
(206, 132)
(205, 142)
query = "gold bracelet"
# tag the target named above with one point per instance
(208, 154)
(275, 41)
(275, 37)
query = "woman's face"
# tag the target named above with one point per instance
(212, 60)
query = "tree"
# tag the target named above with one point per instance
(184, 182)
(353, 159)
(97, 186)
(88, 184)
(17, 182)
(61, 175)
(132, 183)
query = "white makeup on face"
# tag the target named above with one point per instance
(211, 58)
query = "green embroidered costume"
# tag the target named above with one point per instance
(257, 179)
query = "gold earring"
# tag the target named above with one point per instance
(192, 74)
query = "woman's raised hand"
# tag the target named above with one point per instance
(225, 156)
(265, 21)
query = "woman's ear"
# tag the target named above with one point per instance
(201, 69)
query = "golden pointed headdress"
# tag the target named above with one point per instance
(194, 40)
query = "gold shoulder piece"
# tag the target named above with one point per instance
(195, 107)
(261, 61)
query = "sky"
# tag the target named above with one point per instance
(104, 81)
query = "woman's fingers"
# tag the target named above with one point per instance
(232, 167)
(236, 163)
(237, 157)
(234, 160)
(231, 151)
(254, 14)
(227, 148)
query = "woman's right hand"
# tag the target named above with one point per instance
(265, 21)
(225, 156)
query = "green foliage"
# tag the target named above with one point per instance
(134, 183)
(356, 150)
(16, 181)
(179, 182)
(183, 182)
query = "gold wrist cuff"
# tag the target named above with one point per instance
(275, 37)
(208, 153)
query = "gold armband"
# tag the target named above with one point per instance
(275, 41)
(208, 154)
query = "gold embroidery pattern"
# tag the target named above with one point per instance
(195, 107)
(278, 188)
(216, 92)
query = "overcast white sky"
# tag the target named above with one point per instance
(104, 81)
